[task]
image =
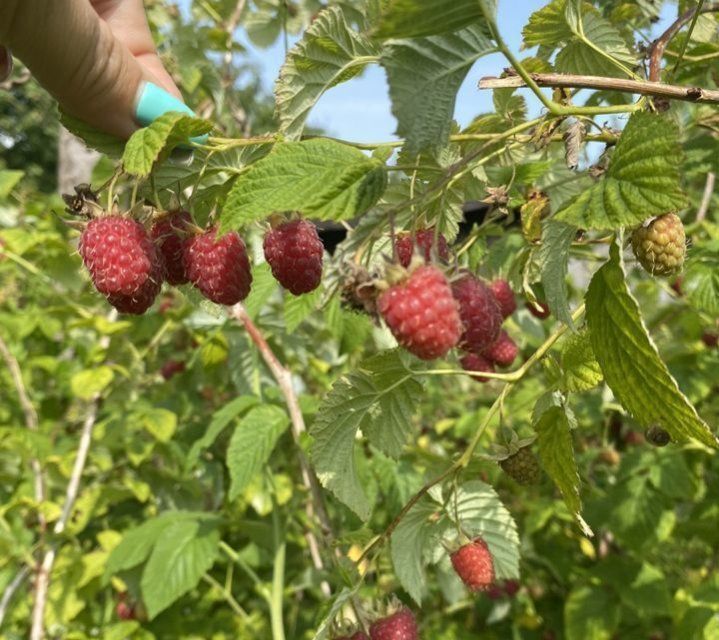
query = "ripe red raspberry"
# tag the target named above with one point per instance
(422, 241)
(125, 611)
(472, 362)
(504, 351)
(167, 236)
(294, 252)
(422, 314)
(710, 339)
(660, 246)
(481, 318)
(399, 626)
(121, 257)
(171, 368)
(474, 565)
(541, 311)
(220, 269)
(138, 302)
(504, 296)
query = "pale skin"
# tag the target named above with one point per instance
(91, 55)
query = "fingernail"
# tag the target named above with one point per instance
(153, 101)
(5, 63)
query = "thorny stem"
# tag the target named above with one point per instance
(466, 457)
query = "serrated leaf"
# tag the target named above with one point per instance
(481, 513)
(328, 53)
(580, 369)
(415, 18)
(153, 143)
(547, 26)
(220, 420)
(554, 441)
(701, 278)
(590, 613)
(380, 398)
(180, 557)
(252, 443)
(90, 382)
(424, 76)
(322, 178)
(630, 361)
(94, 139)
(409, 542)
(553, 259)
(160, 423)
(643, 179)
(299, 308)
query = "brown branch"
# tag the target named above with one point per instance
(567, 80)
(314, 507)
(656, 50)
(707, 196)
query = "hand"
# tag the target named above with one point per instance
(92, 55)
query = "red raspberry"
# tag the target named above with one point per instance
(121, 258)
(125, 611)
(136, 303)
(541, 311)
(422, 314)
(399, 626)
(423, 241)
(474, 565)
(294, 252)
(481, 318)
(473, 362)
(504, 351)
(504, 296)
(166, 234)
(220, 269)
(710, 339)
(171, 368)
(511, 587)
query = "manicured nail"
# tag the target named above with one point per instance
(5, 63)
(153, 101)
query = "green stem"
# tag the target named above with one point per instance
(229, 598)
(278, 577)
(686, 41)
(237, 559)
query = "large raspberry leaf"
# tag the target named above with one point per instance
(630, 361)
(322, 178)
(380, 398)
(553, 260)
(328, 53)
(643, 178)
(701, 278)
(580, 369)
(416, 18)
(424, 76)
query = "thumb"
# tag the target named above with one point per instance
(76, 57)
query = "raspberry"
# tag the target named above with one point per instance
(166, 234)
(125, 611)
(657, 436)
(137, 303)
(660, 245)
(423, 241)
(523, 467)
(481, 318)
(122, 260)
(474, 565)
(710, 339)
(473, 362)
(539, 310)
(505, 297)
(220, 269)
(422, 314)
(399, 626)
(504, 351)
(171, 368)
(294, 252)
(511, 587)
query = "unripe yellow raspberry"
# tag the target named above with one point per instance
(660, 246)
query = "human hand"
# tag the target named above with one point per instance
(96, 57)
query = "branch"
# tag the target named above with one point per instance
(656, 51)
(314, 507)
(706, 197)
(657, 90)
(10, 590)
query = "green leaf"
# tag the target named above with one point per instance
(180, 557)
(580, 369)
(220, 419)
(481, 513)
(321, 178)
(648, 592)
(328, 54)
(160, 423)
(154, 143)
(701, 278)
(415, 18)
(548, 26)
(643, 179)
(553, 258)
(409, 543)
(299, 308)
(252, 443)
(8, 180)
(424, 76)
(590, 613)
(91, 382)
(263, 287)
(330, 615)
(630, 361)
(94, 139)
(380, 398)
(557, 455)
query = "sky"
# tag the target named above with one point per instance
(360, 110)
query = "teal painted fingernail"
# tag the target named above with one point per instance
(153, 101)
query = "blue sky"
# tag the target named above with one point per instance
(359, 110)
